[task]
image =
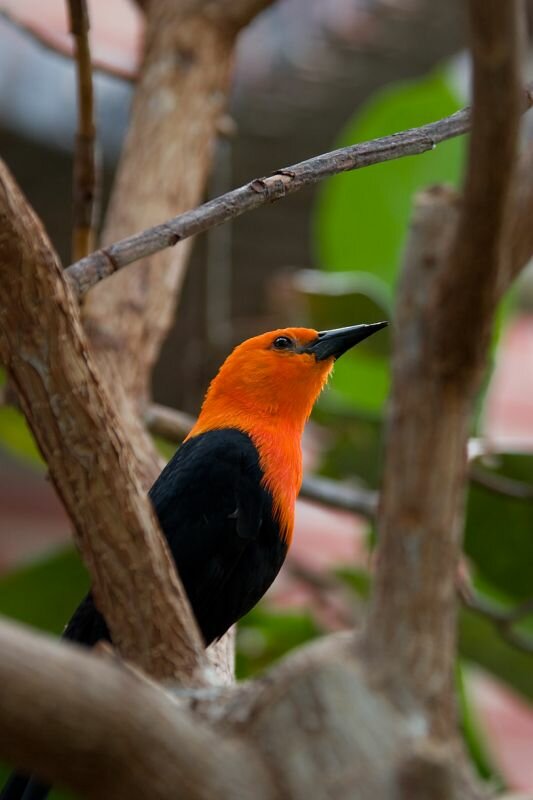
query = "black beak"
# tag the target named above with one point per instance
(332, 344)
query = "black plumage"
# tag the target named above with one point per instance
(218, 520)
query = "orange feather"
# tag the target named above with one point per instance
(269, 395)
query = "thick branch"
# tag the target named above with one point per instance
(445, 307)
(45, 351)
(78, 719)
(481, 250)
(85, 177)
(97, 266)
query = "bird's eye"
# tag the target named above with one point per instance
(282, 343)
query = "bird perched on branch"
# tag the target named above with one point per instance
(225, 501)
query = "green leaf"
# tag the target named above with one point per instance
(499, 529)
(45, 594)
(480, 642)
(357, 579)
(472, 731)
(263, 636)
(362, 217)
(16, 437)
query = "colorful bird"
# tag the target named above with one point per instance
(225, 501)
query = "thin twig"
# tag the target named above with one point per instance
(503, 620)
(500, 484)
(168, 423)
(174, 426)
(337, 495)
(99, 265)
(53, 44)
(85, 179)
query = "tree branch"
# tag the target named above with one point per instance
(175, 425)
(89, 271)
(445, 306)
(180, 96)
(91, 464)
(484, 222)
(85, 169)
(503, 620)
(73, 717)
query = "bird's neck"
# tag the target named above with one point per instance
(278, 443)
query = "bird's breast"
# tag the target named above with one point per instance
(280, 458)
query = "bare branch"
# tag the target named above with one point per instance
(481, 245)
(80, 436)
(85, 184)
(49, 42)
(168, 423)
(445, 307)
(89, 271)
(504, 621)
(338, 495)
(73, 717)
(179, 99)
(175, 425)
(500, 484)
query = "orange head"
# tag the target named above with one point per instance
(267, 387)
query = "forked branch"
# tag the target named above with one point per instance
(82, 440)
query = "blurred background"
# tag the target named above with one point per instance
(311, 75)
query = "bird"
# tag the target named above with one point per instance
(226, 499)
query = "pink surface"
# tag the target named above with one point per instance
(115, 33)
(508, 724)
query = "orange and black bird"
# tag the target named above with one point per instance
(225, 501)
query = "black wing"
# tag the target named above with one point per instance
(217, 519)
(212, 508)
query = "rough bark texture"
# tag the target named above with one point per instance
(445, 309)
(424, 472)
(110, 733)
(180, 96)
(44, 348)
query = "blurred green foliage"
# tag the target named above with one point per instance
(363, 216)
(16, 437)
(499, 529)
(361, 223)
(265, 636)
